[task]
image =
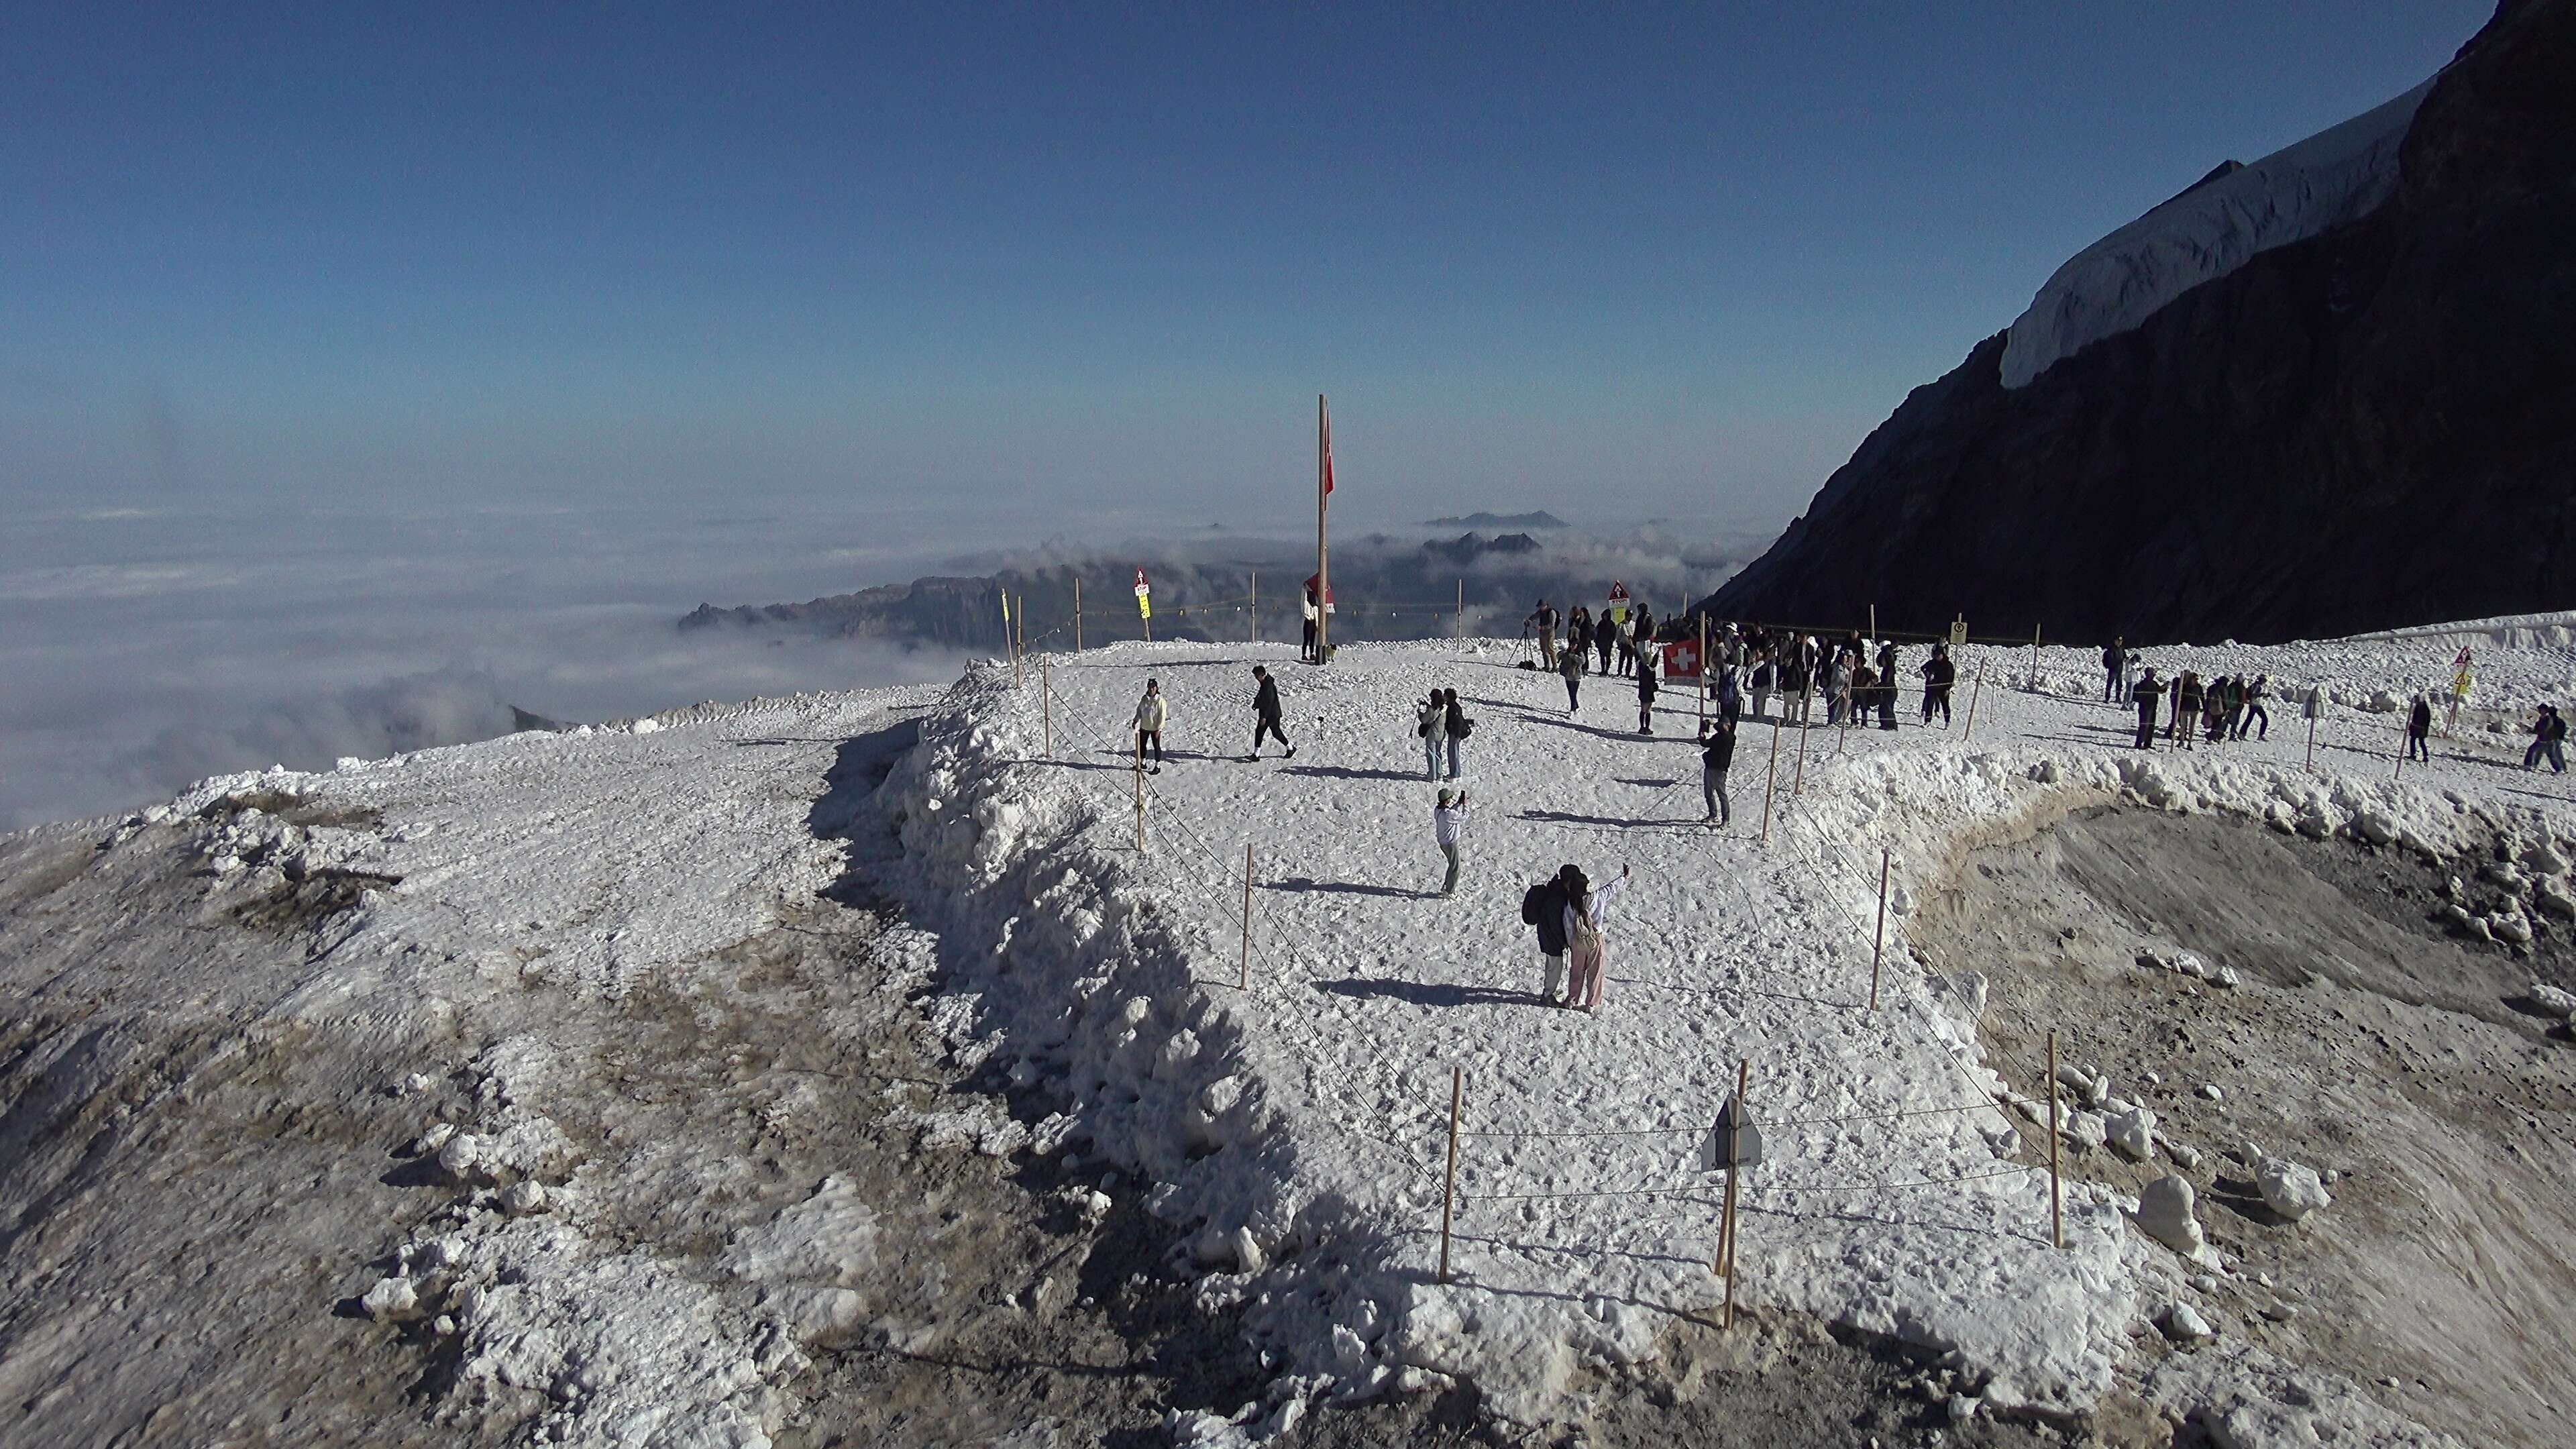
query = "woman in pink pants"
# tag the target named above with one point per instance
(1584, 912)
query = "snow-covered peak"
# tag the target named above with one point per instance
(2337, 175)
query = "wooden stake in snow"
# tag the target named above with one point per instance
(2056, 1206)
(2312, 742)
(2034, 659)
(2404, 734)
(1806, 706)
(1770, 783)
(1449, 1183)
(1975, 689)
(1878, 942)
(1734, 1173)
(1046, 704)
(1703, 674)
(1077, 614)
(1140, 793)
(1243, 977)
(1461, 626)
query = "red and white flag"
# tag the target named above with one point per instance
(1324, 442)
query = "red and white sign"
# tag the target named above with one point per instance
(1328, 594)
(1681, 659)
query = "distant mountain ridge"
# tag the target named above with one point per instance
(2328, 393)
(1541, 519)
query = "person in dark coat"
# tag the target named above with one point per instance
(2114, 659)
(2149, 693)
(1578, 634)
(1543, 908)
(1605, 637)
(1938, 675)
(1570, 665)
(1716, 753)
(1265, 710)
(1887, 685)
(2419, 727)
(1646, 687)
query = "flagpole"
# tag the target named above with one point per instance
(1323, 557)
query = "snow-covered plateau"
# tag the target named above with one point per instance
(498, 946)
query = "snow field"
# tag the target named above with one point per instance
(1299, 1128)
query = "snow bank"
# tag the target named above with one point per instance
(2338, 175)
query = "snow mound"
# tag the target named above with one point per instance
(2336, 176)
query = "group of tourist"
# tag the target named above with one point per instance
(2226, 708)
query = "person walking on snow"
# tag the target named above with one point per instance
(1150, 713)
(2114, 664)
(1938, 675)
(1265, 710)
(1578, 633)
(1586, 910)
(1716, 753)
(2255, 714)
(1571, 666)
(1458, 725)
(1645, 696)
(1543, 619)
(1449, 832)
(2419, 726)
(1433, 726)
(1543, 910)
(2149, 693)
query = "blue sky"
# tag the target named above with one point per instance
(1036, 262)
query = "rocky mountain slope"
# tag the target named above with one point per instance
(2304, 398)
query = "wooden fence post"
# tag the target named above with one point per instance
(1140, 793)
(1077, 614)
(2404, 735)
(1256, 606)
(1978, 688)
(1243, 978)
(1770, 783)
(1734, 1173)
(2056, 1207)
(1460, 627)
(1449, 1183)
(2312, 740)
(1806, 707)
(2034, 659)
(1046, 704)
(1878, 941)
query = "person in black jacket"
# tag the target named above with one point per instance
(1887, 685)
(2149, 694)
(1578, 634)
(1265, 709)
(2419, 725)
(1716, 753)
(2114, 659)
(1646, 687)
(1938, 675)
(1543, 907)
(1456, 720)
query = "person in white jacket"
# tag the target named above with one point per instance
(1433, 726)
(1449, 832)
(1150, 714)
(1586, 909)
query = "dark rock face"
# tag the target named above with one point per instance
(2372, 428)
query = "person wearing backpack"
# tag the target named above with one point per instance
(2419, 725)
(1433, 727)
(1716, 753)
(1572, 670)
(1646, 688)
(1585, 911)
(1456, 722)
(1543, 910)
(1449, 832)
(1151, 711)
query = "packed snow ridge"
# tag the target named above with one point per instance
(2339, 175)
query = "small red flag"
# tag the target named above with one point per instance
(1324, 420)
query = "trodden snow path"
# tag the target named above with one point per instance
(1301, 1124)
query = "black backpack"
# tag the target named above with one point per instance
(1535, 902)
(1463, 728)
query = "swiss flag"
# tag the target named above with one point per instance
(1681, 659)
